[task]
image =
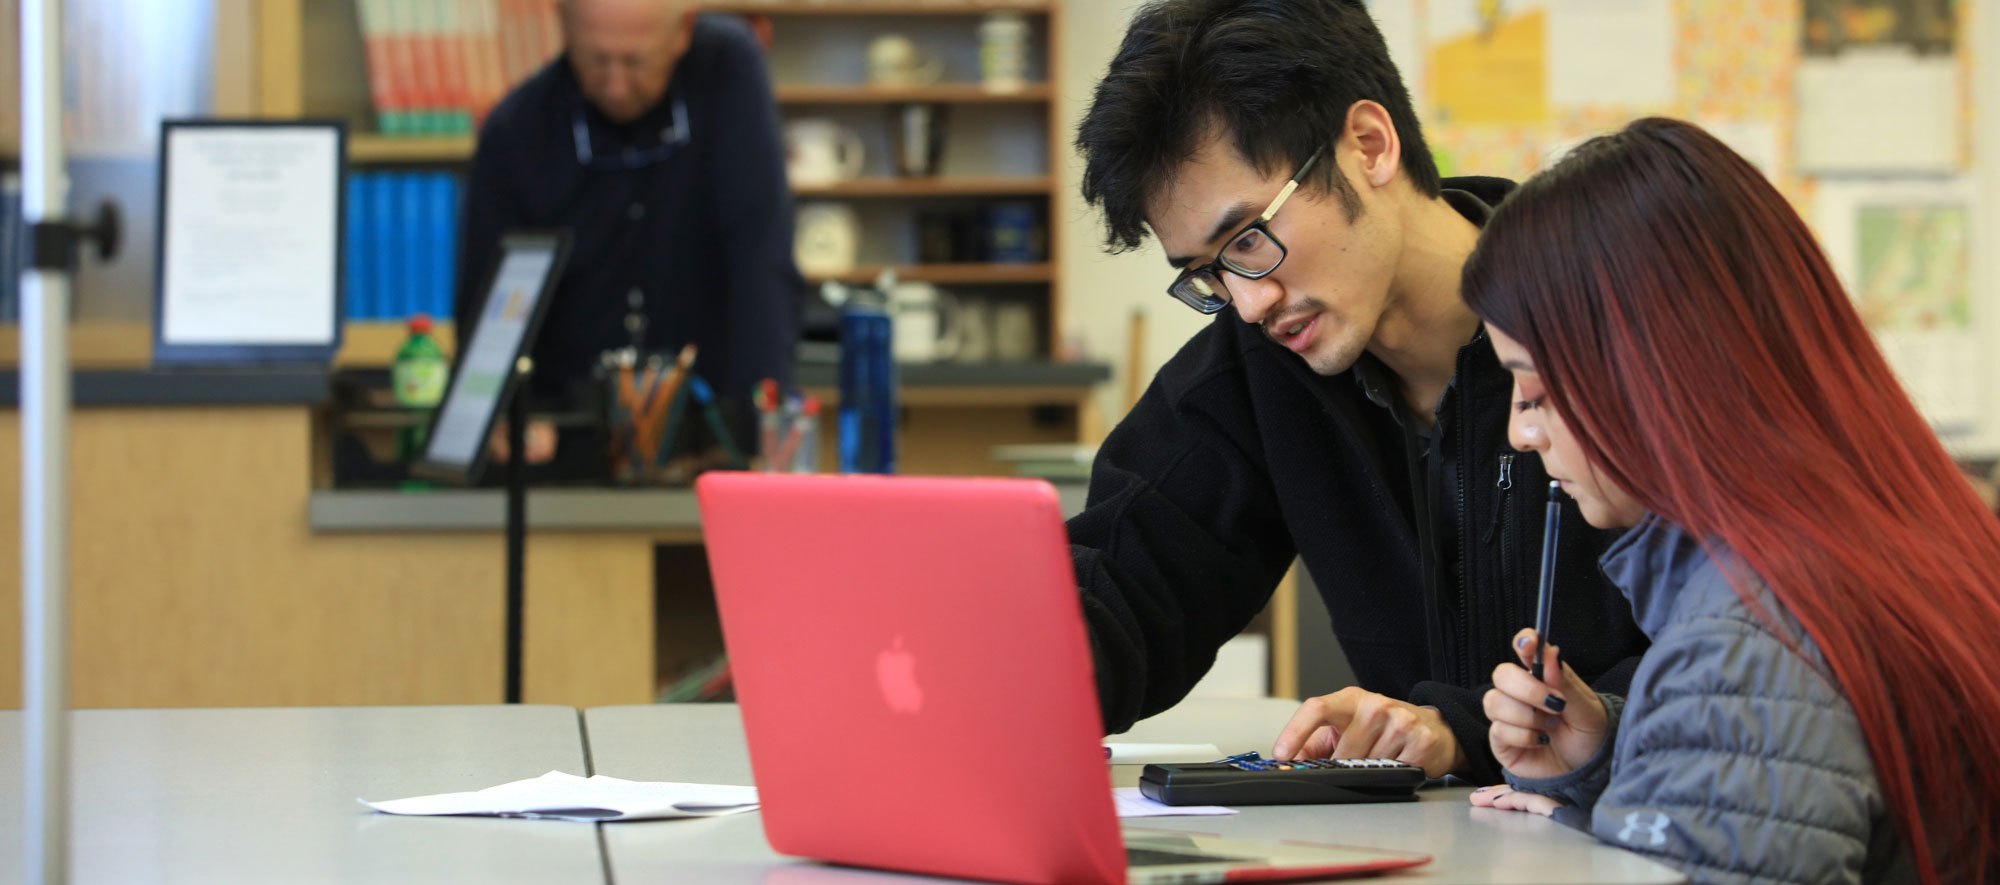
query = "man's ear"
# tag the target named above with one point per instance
(1372, 135)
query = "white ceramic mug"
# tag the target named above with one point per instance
(924, 322)
(820, 151)
(827, 239)
(896, 60)
(1014, 331)
(1003, 51)
(975, 331)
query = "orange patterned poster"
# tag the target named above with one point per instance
(1488, 62)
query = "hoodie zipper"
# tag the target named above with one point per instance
(1464, 549)
(1500, 501)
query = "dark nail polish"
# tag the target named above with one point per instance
(1542, 739)
(1555, 703)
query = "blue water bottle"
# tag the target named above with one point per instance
(867, 418)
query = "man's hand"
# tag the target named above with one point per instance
(540, 441)
(1355, 724)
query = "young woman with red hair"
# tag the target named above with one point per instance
(1817, 579)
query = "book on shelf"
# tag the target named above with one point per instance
(402, 244)
(437, 67)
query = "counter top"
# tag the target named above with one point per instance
(995, 374)
(553, 509)
(271, 386)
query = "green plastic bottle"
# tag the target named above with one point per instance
(420, 374)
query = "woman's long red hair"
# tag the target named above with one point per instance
(1692, 335)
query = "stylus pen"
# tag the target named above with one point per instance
(1545, 600)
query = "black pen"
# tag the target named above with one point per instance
(1545, 600)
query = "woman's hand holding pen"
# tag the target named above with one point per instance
(1542, 729)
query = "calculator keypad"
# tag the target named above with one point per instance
(1299, 764)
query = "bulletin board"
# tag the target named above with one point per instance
(1876, 118)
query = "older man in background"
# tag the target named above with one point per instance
(653, 140)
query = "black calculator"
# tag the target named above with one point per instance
(1251, 780)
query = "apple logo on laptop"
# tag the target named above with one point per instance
(896, 673)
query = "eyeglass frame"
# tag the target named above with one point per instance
(1211, 304)
(671, 140)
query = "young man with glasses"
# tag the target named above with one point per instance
(653, 139)
(1343, 408)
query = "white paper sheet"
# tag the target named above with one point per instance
(561, 796)
(251, 230)
(1616, 53)
(1132, 803)
(1878, 110)
(1138, 754)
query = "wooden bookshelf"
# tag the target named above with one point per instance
(968, 186)
(390, 149)
(93, 344)
(946, 274)
(889, 7)
(375, 342)
(940, 93)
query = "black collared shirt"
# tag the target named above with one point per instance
(1436, 477)
(701, 229)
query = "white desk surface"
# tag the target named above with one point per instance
(267, 795)
(704, 743)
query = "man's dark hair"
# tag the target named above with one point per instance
(1277, 76)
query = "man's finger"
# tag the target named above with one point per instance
(1390, 745)
(1360, 735)
(1320, 745)
(1311, 717)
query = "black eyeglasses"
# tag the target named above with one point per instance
(671, 139)
(1253, 254)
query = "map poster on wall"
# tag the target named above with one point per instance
(1904, 251)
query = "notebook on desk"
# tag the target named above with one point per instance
(917, 692)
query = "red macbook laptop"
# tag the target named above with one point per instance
(916, 687)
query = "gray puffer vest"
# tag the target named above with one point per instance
(1735, 757)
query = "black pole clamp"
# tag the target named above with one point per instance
(54, 244)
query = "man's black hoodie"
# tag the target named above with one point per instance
(1240, 457)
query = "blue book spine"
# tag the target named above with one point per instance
(444, 206)
(427, 264)
(382, 237)
(414, 240)
(360, 276)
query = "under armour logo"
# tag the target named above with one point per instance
(1657, 827)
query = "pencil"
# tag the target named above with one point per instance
(666, 396)
(706, 397)
(1545, 600)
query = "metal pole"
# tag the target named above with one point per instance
(517, 524)
(45, 404)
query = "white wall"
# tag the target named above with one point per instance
(1099, 291)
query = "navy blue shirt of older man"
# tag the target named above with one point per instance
(683, 206)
